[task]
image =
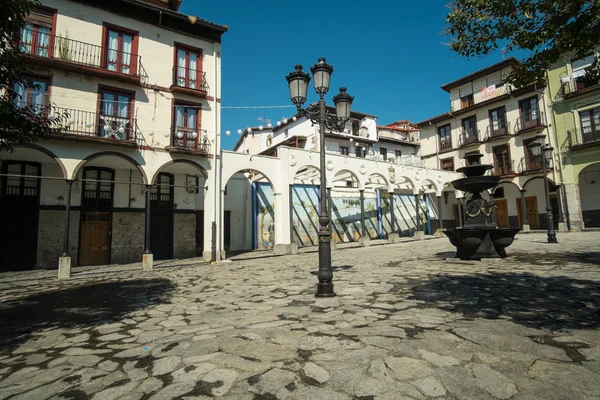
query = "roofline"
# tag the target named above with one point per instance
(400, 142)
(478, 74)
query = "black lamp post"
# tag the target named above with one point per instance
(543, 153)
(317, 113)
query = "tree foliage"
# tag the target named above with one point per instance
(544, 29)
(18, 125)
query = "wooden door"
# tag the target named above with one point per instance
(94, 238)
(227, 230)
(532, 212)
(161, 233)
(502, 213)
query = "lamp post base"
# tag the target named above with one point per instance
(552, 239)
(325, 274)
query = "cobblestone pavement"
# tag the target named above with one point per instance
(406, 324)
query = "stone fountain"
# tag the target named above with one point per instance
(479, 237)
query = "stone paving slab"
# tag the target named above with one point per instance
(409, 322)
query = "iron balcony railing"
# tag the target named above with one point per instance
(190, 79)
(445, 144)
(189, 139)
(503, 166)
(530, 164)
(71, 51)
(574, 85)
(88, 123)
(501, 129)
(576, 137)
(530, 119)
(468, 136)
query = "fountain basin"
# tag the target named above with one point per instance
(475, 244)
(476, 184)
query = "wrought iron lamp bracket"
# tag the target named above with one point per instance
(332, 122)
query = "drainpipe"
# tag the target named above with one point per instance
(216, 195)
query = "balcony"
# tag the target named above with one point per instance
(73, 55)
(501, 131)
(503, 166)
(189, 81)
(82, 125)
(576, 138)
(446, 144)
(531, 121)
(529, 165)
(575, 86)
(468, 137)
(188, 141)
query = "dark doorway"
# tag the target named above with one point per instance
(227, 230)
(19, 216)
(162, 207)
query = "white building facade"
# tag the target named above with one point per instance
(489, 116)
(139, 136)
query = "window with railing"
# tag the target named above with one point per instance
(116, 109)
(581, 78)
(344, 150)
(531, 162)
(470, 133)
(32, 93)
(530, 114)
(502, 162)
(120, 50)
(187, 125)
(445, 137)
(590, 125)
(189, 69)
(98, 187)
(498, 122)
(35, 34)
(447, 164)
(466, 101)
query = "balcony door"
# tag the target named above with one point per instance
(115, 120)
(189, 68)
(498, 121)
(120, 50)
(529, 112)
(32, 94)
(502, 163)
(187, 125)
(445, 138)
(36, 34)
(590, 125)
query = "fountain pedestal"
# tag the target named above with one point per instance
(479, 237)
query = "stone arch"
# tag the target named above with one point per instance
(589, 190)
(408, 180)
(431, 182)
(381, 181)
(551, 184)
(314, 176)
(352, 174)
(48, 153)
(178, 161)
(125, 157)
(503, 182)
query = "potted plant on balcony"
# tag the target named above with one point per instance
(64, 53)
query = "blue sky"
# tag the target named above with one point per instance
(390, 55)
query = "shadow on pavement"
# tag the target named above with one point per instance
(554, 303)
(78, 307)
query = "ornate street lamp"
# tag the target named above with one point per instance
(543, 154)
(317, 113)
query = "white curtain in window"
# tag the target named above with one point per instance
(26, 38)
(108, 104)
(534, 109)
(126, 58)
(179, 114)
(181, 68)
(586, 122)
(193, 73)
(113, 47)
(191, 119)
(123, 107)
(43, 38)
